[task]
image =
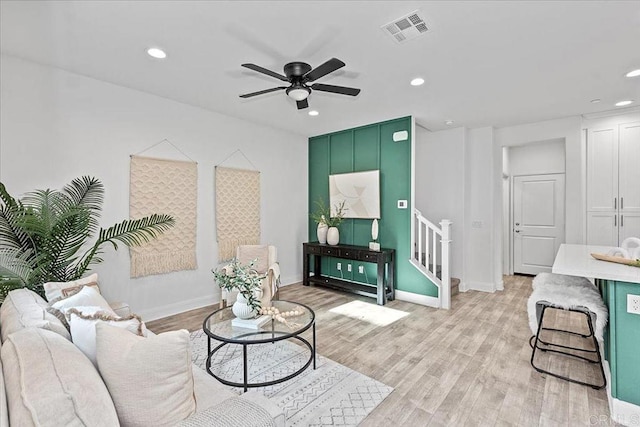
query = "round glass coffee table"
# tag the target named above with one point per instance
(218, 326)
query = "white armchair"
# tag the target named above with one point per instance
(266, 257)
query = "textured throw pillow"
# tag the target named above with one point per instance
(87, 297)
(149, 379)
(83, 320)
(54, 291)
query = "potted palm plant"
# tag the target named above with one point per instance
(44, 237)
(247, 281)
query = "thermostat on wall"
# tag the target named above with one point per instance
(402, 204)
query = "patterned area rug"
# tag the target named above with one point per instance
(331, 395)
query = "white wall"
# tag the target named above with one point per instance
(56, 126)
(439, 185)
(537, 158)
(479, 215)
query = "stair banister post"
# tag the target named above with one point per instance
(445, 290)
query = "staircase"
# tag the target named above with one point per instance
(431, 253)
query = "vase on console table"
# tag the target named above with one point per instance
(322, 233)
(333, 236)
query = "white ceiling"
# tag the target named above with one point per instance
(485, 63)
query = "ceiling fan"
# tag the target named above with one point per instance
(299, 74)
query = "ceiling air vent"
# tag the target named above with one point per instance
(406, 28)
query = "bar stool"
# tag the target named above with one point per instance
(573, 294)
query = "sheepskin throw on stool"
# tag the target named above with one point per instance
(168, 187)
(567, 292)
(237, 210)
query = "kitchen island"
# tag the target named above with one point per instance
(622, 335)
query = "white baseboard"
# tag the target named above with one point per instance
(622, 412)
(479, 286)
(427, 300)
(178, 307)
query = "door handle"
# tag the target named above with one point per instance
(621, 220)
(615, 203)
(615, 220)
(621, 202)
(517, 223)
(517, 231)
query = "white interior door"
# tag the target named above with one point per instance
(538, 221)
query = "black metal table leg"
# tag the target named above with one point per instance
(314, 345)
(244, 357)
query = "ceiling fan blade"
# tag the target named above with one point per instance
(262, 92)
(262, 70)
(328, 67)
(302, 104)
(342, 90)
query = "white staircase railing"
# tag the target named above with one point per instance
(431, 252)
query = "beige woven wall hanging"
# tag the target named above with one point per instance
(237, 209)
(167, 187)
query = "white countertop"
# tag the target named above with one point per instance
(576, 260)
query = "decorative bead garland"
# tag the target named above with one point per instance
(282, 316)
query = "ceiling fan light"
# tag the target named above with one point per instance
(298, 93)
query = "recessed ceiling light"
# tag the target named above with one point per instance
(417, 81)
(448, 122)
(634, 73)
(623, 103)
(156, 53)
(313, 113)
(595, 101)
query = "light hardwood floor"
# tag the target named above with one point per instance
(466, 366)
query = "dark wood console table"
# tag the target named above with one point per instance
(385, 260)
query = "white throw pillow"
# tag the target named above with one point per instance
(87, 297)
(82, 323)
(58, 290)
(149, 379)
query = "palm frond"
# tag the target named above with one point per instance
(131, 232)
(86, 191)
(135, 232)
(16, 266)
(11, 233)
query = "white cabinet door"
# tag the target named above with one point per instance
(629, 168)
(602, 228)
(629, 226)
(602, 167)
(538, 221)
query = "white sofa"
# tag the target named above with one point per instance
(45, 380)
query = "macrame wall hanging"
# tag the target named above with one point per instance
(168, 187)
(237, 208)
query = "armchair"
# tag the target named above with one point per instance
(267, 263)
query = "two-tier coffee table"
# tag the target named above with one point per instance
(218, 326)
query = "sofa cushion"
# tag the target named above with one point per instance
(150, 379)
(234, 412)
(58, 290)
(4, 414)
(208, 391)
(49, 382)
(83, 320)
(23, 308)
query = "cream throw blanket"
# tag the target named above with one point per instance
(167, 187)
(237, 210)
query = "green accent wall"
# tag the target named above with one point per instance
(622, 340)
(360, 149)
